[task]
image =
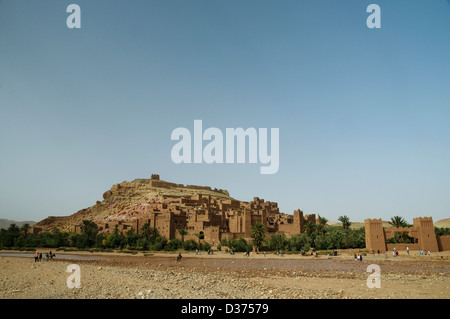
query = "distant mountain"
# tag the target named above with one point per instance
(443, 223)
(355, 225)
(4, 223)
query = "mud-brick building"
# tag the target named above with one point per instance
(422, 230)
(211, 219)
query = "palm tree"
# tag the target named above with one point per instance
(258, 233)
(149, 232)
(13, 229)
(399, 222)
(200, 236)
(146, 230)
(182, 232)
(310, 227)
(322, 223)
(25, 227)
(345, 221)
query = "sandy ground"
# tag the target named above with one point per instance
(160, 276)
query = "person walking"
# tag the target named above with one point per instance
(407, 249)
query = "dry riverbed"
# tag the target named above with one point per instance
(160, 276)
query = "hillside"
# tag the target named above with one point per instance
(443, 223)
(127, 197)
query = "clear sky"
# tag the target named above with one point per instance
(364, 114)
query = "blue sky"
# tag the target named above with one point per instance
(363, 113)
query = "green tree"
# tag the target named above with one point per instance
(239, 244)
(146, 230)
(115, 240)
(399, 222)
(25, 228)
(200, 236)
(442, 231)
(321, 226)
(299, 242)
(345, 221)
(190, 245)
(258, 234)
(310, 227)
(90, 230)
(173, 245)
(277, 241)
(131, 238)
(59, 238)
(183, 232)
(149, 233)
(11, 235)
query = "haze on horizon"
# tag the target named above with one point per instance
(363, 114)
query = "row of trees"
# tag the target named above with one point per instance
(89, 237)
(319, 236)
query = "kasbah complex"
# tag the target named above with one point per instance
(215, 219)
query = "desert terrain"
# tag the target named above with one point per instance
(224, 276)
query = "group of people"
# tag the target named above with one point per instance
(38, 256)
(419, 252)
(358, 257)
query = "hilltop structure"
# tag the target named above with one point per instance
(211, 214)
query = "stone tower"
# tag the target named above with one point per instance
(375, 238)
(427, 235)
(298, 217)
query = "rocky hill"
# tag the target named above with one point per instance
(127, 197)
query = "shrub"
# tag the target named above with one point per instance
(190, 245)
(173, 245)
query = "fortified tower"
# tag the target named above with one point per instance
(427, 235)
(375, 238)
(423, 230)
